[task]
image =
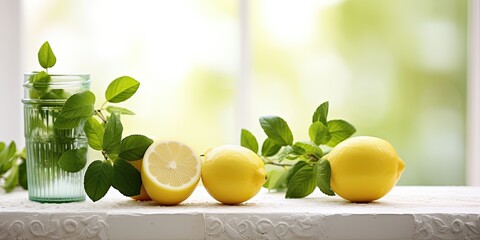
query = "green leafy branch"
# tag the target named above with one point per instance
(13, 171)
(298, 167)
(103, 128)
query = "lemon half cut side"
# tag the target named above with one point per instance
(170, 172)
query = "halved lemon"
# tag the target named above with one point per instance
(170, 172)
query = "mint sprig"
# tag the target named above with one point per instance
(298, 167)
(103, 129)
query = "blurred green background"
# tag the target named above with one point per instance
(394, 69)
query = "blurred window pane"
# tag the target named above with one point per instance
(395, 69)
(184, 53)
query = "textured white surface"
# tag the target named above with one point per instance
(405, 213)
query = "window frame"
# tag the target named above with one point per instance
(11, 90)
(472, 170)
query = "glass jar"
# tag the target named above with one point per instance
(47, 182)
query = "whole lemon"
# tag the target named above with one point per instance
(232, 174)
(364, 169)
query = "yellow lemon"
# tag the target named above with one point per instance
(232, 174)
(364, 168)
(143, 196)
(170, 172)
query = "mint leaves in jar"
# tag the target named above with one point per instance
(101, 126)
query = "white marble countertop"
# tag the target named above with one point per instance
(405, 213)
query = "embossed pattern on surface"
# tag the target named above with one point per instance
(446, 226)
(54, 226)
(271, 227)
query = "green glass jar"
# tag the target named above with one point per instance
(47, 182)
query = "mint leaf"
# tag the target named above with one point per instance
(133, 147)
(124, 111)
(67, 123)
(323, 177)
(73, 160)
(3, 159)
(306, 147)
(121, 89)
(46, 58)
(32, 76)
(302, 183)
(55, 94)
(276, 179)
(320, 114)
(11, 150)
(7, 157)
(94, 131)
(23, 154)
(113, 134)
(79, 105)
(34, 94)
(22, 175)
(12, 179)
(299, 165)
(248, 140)
(339, 130)
(40, 81)
(319, 133)
(284, 152)
(77, 108)
(281, 183)
(98, 179)
(274, 176)
(269, 148)
(6, 166)
(126, 178)
(277, 129)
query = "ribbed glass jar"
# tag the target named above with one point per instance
(47, 182)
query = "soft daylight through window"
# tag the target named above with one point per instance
(395, 69)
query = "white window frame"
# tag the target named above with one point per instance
(244, 83)
(11, 117)
(473, 92)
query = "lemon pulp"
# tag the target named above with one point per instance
(170, 172)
